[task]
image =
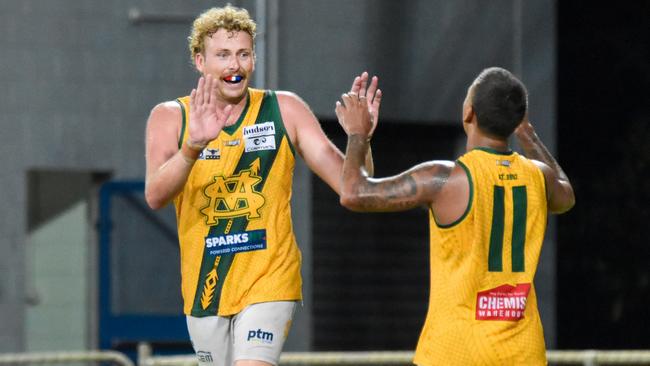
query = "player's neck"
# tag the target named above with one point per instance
(481, 140)
(238, 106)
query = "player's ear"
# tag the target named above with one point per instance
(468, 113)
(199, 60)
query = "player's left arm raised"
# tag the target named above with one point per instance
(309, 140)
(559, 190)
(320, 154)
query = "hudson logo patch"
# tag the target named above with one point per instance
(236, 243)
(259, 137)
(234, 196)
(260, 129)
(505, 302)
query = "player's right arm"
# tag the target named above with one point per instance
(418, 186)
(558, 187)
(168, 166)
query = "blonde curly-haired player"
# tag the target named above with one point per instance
(488, 212)
(225, 156)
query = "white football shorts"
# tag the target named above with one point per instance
(256, 333)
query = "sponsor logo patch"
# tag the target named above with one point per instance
(210, 154)
(260, 129)
(505, 302)
(246, 241)
(231, 143)
(259, 137)
(204, 356)
(259, 335)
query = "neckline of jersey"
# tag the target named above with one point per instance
(494, 151)
(231, 129)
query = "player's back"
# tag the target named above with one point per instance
(482, 306)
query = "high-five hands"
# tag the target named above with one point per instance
(206, 118)
(359, 112)
(350, 114)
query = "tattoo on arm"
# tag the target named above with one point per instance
(396, 194)
(538, 151)
(401, 189)
(404, 192)
(439, 180)
(560, 193)
(415, 187)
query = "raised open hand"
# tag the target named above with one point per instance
(206, 118)
(353, 114)
(372, 95)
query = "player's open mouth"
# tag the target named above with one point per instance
(233, 79)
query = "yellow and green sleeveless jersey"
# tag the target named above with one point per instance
(482, 304)
(233, 215)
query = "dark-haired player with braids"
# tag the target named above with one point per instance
(488, 212)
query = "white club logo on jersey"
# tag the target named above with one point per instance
(259, 137)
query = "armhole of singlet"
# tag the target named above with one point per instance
(271, 102)
(469, 201)
(183, 124)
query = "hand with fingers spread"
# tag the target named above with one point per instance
(372, 95)
(354, 115)
(206, 118)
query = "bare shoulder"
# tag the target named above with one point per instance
(295, 112)
(429, 171)
(435, 167)
(165, 122)
(456, 169)
(432, 176)
(292, 106)
(549, 174)
(452, 196)
(165, 111)
(540, 164)
(164, 128)
(289, 99)
(451, 179)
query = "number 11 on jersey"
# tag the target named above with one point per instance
(519, 207)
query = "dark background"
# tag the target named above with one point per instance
(603, 257)
(371, 270)
(604, 146)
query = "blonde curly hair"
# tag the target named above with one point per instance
(230, 18)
